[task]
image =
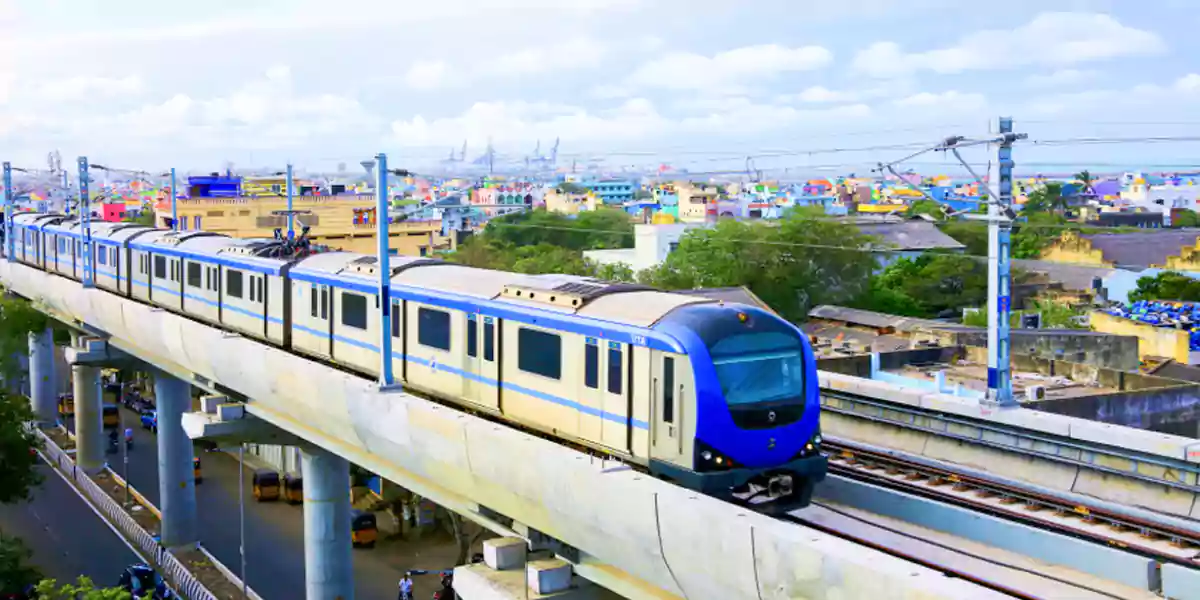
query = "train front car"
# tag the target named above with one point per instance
(757, 429)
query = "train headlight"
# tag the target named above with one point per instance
(706, 455)
(720, 460)
(817, 439)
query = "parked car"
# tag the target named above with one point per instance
(150, 420)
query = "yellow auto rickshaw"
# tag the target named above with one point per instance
(293, 488)
(66, 405)
(266, 485)
(363, 530)
(196, 469)
(112, 416)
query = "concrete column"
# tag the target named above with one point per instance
(176, 479)
(89, 418)
(41, 376)
(328, 567)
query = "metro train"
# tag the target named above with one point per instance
(720, 398)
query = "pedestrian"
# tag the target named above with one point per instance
(406, 588)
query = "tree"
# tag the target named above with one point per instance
(642, 195)
(145, 217)
(972, 234)
(16, 574)
(930, 285)
(794, 264)
(604, 228)
(82, 589)
(1085, 179)
(1046, 199)
(1168, 285)
(1185, 218)
(613, 272)
(18, 318)
(926, 207)
(1038, 231)
(18, 443)
(568, 187)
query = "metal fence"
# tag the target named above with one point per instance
(173, 570)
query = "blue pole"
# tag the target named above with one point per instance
(385, 270)
(174, 209)
(291, 217)
(85, 222)
(999, 297)
(9, 242)
(66, 186)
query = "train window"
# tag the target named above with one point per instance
(114, 257)
(591, 365)
(489, 341)
(233, 283)
(354, 310)
(324, 303)
(160, 267)
(433, 328)
(313, 297)
(539, 352)
(614, 370)
(101, 258)
(195, 276)
(472, 336)
(396, 316)
(668, 377)
(262, 288)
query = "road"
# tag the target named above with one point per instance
(274, 530)
(67, 538)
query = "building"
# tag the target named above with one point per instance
(652, 244)
(611, 191)
(341, 222)
(113, 212)
(569, 203)
(214, 186)
(696, 202)
(269, 185)
(909, 238)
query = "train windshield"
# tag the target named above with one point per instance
(762, 377)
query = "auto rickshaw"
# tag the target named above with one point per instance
(266, 485)
(66, 405)
(112, 416)
(293, 488)
(363, 530)
(196, 469)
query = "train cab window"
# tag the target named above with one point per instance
(233, 283)
(433, 328)
(539, 352)
(668, 377)
(195, 275)
(160, 267)
(761, 373)
(396, 316)
(472, 336)
(489, 339)
(354, 310)
(591, 365)
(614, 369)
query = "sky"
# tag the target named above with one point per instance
(698, 84)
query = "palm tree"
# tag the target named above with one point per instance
(1085, 177)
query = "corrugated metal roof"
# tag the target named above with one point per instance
(910, 235)
(1072, 277)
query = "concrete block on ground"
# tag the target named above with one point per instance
(1180, 582)
(1150, 442)
(504, 554)
(209, 404)
(478, 582)
(231, 411)
(548, 576)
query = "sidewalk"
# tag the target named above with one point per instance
(198, 563)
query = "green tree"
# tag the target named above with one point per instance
(144, 217)
(1045, 199)
(16, 572)
(1167, 285)
(546, 258)
(1185, 218)
(18, 443)
(926, 207)
(1085, 179)
(799, 262)
(1039, 230)
(642, 195)
(935, 284)
(568, 187)
(604, 228)
(613, 272)
(972, 234)
(18, 317)
(82, 589)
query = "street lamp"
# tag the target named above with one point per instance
(241, 507)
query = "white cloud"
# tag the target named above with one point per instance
(1055, 39)
(427, 75)
(635, 119)
(732, 68)
(1188, 83)
(1062, 78)
(951, 100)
(87, 88)
(1177, 97)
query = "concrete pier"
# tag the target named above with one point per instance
(89, 418)
(328, 566)
(42, 394)
(176, 480)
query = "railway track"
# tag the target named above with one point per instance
(1163, 542)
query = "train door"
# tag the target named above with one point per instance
(591, 392)
(668, 381)
(615, 427)
(481, 383)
